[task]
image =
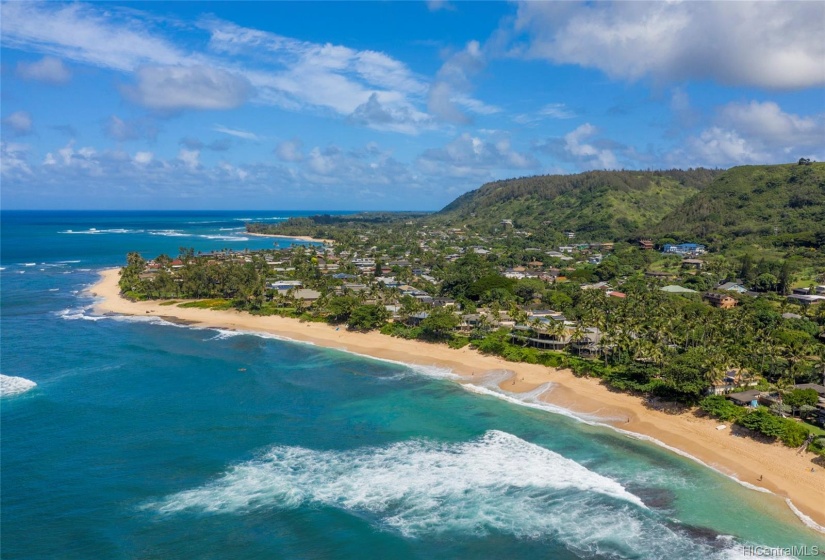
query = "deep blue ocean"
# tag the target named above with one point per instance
(143, 439)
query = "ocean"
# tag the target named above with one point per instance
(133, 437)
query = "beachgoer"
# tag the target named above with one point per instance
(760, 478)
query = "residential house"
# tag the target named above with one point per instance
(722, 301)
(588, 343)
(684, 249)
(732, 287)
(693, 263)
(746, 398)
(806, 299)
(734, 379)
(538, 336)
(646, 244)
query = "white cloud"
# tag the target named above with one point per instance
(190, 158)
(246, 135)
(290, 150)
(717, 146)
(143, 158)
(84, 33)
(557, 111)
(767, 44)
(392, 117)
(549, 111)
(48, 69)
(767, 123)
(13, 160)
(238, 62)
(574, 143)
(173, 88)
(19, 122)
(584, 147)
(755, 132)
(470, 156)
(453, 83)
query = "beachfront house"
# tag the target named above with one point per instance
(541, 334)
(746, 398)
(733, 380)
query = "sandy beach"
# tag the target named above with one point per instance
(298, 237)
(772, 467)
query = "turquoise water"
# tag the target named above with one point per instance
(144, 439)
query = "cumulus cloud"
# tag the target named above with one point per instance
(754, 132)
(18, 123)
(395, 118)
(190, 158)
(583, 147)
(471, 156)
(767, 44)
(48, 69)
(14, 160)
(290, 150)
(174, 88)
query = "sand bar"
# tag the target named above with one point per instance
(782, 470)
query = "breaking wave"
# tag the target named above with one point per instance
(10, 386)
(497, 483)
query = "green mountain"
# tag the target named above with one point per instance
(761, 204)
(600, 204)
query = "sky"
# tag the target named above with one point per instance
(390, 105)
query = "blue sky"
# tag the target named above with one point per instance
(390, 105)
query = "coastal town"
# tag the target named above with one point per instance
(667, 320)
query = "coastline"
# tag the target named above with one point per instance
(783, 471)
(298, 237)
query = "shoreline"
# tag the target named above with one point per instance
(298, 237)
(783, 471)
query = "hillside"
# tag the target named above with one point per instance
(600, 204)
(763, 204)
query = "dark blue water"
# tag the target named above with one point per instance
(143, 439)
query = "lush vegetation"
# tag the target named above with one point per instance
(462, 277)
(767, 205)
(790, 432)
(606, 205)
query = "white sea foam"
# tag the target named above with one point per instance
(95, 231)
(226, 237)
(10, 386)
(54, 289)
(496, 483)
(804, 518)
(169, 233)
(68, 262)
(2, 268)
(28, 264)
(418, 485)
